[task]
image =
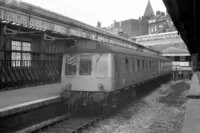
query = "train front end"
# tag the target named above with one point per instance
(87, 79)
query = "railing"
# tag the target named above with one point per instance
(18, 74)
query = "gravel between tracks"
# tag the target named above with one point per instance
(162, 111)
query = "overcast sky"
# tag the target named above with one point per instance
(91, 11)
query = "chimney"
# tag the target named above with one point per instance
(158, 13)
(162, 13)
(99, 24)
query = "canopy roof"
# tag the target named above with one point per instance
(186, 18)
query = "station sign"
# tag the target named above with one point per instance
(157, 36)
(184, 63)
(180, 63)
(186, 68)
(174, 63)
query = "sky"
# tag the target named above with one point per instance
(106, 11)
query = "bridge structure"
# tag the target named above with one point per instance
(185, 16)
(171, 45)
(160, 38)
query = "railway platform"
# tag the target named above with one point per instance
(192, 117)
(15, 101)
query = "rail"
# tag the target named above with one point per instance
(73, 125)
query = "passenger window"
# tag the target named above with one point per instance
(130, 65)
(153, 64)
(85, 65)
(127, 67)
(141, 67)
(143, 64)
(71, 64)
(138, 62)
(122, 64)
(133, 65)
(149, 65)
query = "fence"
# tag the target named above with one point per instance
(17, 74)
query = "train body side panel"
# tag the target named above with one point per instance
(88, 83)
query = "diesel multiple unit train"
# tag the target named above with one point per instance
(97, 75)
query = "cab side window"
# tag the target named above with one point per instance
(70, 65)
(85, 65)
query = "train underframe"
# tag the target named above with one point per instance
(105, 102)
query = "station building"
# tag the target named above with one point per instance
(171, 46)
(133, 27)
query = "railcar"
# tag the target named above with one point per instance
(97, 75)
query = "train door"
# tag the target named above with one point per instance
(117, 70)
(158, 67)
(122, 70)
(135, 69)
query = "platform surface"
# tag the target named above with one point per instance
(23, 95)
(192, 114)
(195, 86)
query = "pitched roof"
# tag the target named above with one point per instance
(149, 10)
(173, 50)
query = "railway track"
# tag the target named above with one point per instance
(67, 123)
(71, 123)
(75, 123)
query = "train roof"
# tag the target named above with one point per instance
(99, 47)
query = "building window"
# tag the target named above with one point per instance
(21, 56)
(149, 30)
(155, 28)
(177, 58)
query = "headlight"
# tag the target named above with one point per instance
(101, 87)
(65, 93)
(68, 86)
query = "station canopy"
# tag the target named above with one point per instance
(185, 15)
